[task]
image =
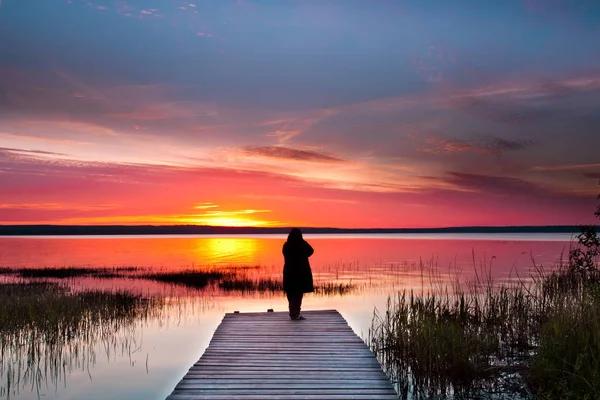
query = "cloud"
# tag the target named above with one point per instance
(29, 152)
(39, 138)
(290, 154)
(499, 111)
(167, 110)
(204, 206)
(593, 175)
(302, 199)
(485, 145)
(500, 145)
(564, 167)
(56, 206)
(493, 184)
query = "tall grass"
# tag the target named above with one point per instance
(47, 330)
(248, 285)
(245, 284)
(193, 279)
(66, 272)
(566, 364)
(540, 336)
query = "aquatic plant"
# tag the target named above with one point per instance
(333, 288)
(245, 284)
(47, 330)
(66, 272)
(194, 279)
(566, 361)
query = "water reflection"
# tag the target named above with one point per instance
(227, 250)
(144, 354)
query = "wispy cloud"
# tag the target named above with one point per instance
(593, 175)
(34, 152)
(484, 145)
(301, 199)
(290, 154)
(57, 206)
(39, 138)
(204, 206)
(501, 185)
(564, 167)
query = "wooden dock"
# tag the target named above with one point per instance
(260, 356)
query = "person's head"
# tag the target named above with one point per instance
(295, 235)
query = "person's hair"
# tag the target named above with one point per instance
(295, 235)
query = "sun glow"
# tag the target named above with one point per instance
(226, 218)
(209, 215)
(228, 221)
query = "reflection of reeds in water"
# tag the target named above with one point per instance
(46, 331)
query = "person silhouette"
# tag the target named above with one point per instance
(297, 275)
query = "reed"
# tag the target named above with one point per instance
(537, 337)
(246, 285)
(566, 364)
(334, 289)
(193, 279)
(47, 330)
(66, 272)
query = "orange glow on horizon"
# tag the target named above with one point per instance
(165, 220)
(227, 221)
(205, 214)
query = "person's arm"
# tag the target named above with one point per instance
(284, 249)
(309, 249)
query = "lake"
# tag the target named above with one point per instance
(146, 356)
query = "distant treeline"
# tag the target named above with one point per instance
(29, 230)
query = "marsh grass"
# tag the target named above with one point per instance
(47, 330)
(249, 285)
(335, 289)
(229, 279)
(246, 284)
(67, 272)
(540, 336)
(566, 364)
(192, 279)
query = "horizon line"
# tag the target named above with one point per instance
(75, 230)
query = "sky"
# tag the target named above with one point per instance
(332, 113)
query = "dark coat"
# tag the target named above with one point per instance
(297, 275)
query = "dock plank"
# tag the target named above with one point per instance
(267, 356)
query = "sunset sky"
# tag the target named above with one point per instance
(345, 113)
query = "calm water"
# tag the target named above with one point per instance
(147, 359)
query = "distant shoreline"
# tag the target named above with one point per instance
(95, 230)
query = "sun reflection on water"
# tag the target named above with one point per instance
(218, 250)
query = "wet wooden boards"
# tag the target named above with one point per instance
(260, 356)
